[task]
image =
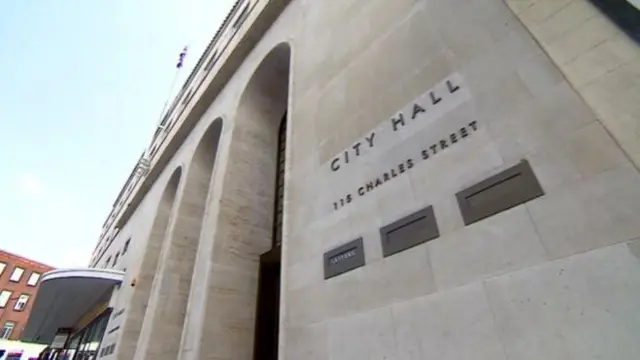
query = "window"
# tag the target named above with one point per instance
(2, 267)
(242, 17)
(280, 168)
(115, 259)
(187, 97)
(4, 297)
(16, 275)
(153, 151)
(211, 61)
(165, 121)
(21, 303)
(157, 134)
(7, 329)
(126, 246)
(33, 279)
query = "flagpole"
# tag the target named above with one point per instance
(166, 102)
(143, 162)
(179, 65)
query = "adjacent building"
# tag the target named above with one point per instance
(375, 179)
(19, 282)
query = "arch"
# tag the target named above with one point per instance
(175, 272)
(267, 92)
(244, 234)
(136, 312)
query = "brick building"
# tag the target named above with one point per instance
(19, 280)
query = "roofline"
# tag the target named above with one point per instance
(177, 98)
(27, 259)
(206, 90)
(89, 273)
(209, 47)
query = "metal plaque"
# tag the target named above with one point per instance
(409, 231)
(498, 193)
(344, 258)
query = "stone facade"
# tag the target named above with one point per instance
(392, 107)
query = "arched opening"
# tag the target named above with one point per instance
(132, 325)
(242, 305)
(175, 272)
(267, 329)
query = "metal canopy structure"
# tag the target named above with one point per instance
(64, 296)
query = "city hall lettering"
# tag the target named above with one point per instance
(426, 153)
(415, 116)
(396, 122)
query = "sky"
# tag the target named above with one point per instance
(82, 86)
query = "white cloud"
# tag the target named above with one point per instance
(46, 223)
(30, 185)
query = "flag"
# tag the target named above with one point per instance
(181, 57)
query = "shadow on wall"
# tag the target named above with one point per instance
(624, 13)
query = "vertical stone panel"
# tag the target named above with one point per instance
(596, 56)
(245, 213)
(582, 307)
(132, 328)
(168, 307)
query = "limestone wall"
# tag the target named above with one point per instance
(395, 106)
(599, 60)
(554, 278)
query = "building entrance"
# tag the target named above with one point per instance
(265, 344)
(249, 232)
(268, 307)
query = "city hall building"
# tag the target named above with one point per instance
(376, 179)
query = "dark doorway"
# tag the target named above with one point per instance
(267, 317)
(268, 305)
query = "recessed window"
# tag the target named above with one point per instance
(211, 61)
(2, 267)
(164, 121)
(153, 151)
(187, 97)
(126, 246)
(21, 303)
(242, 17)
(4, 298)
(16, 275)
(33, 279)
(7, 329)
(115, 259)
